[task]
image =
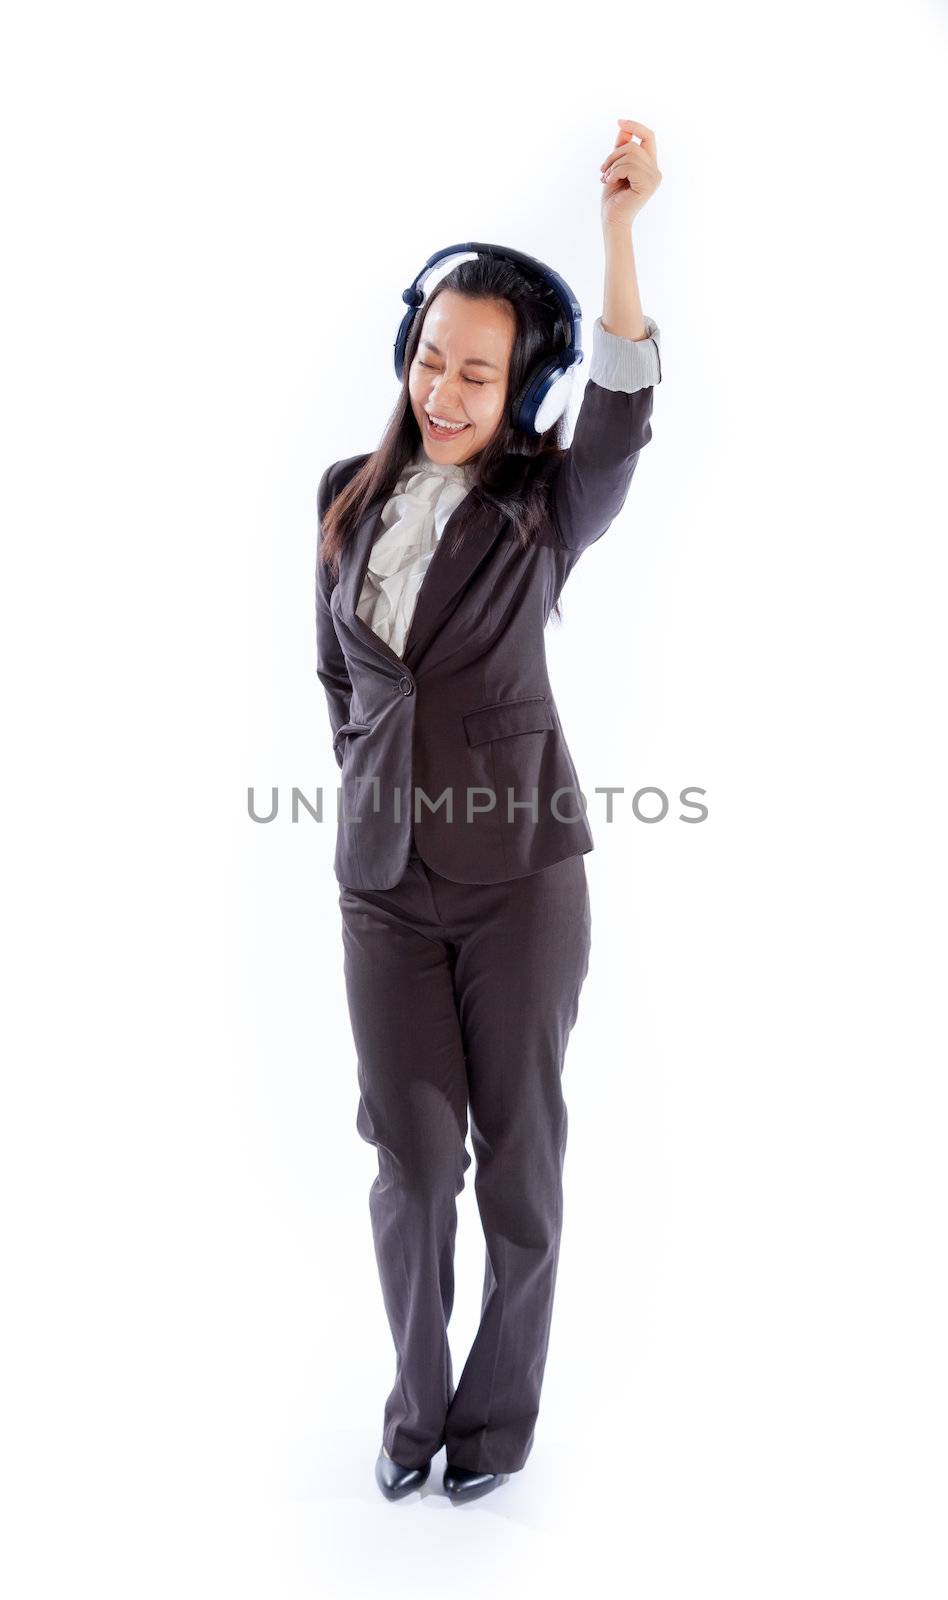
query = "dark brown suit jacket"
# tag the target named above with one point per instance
(425, 741)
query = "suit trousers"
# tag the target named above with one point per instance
(462, 997)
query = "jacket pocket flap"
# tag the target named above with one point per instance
(532, 715)
(350, 727)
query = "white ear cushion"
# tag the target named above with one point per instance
(555, 401)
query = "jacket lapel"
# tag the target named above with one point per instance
(448, 573)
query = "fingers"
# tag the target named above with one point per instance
(645, 134)
(628, 156)
(629, 160)
(617, 149)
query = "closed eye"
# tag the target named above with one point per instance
(479, 381)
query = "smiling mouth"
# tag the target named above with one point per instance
(437, 432)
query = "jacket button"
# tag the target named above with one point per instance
(406, 685)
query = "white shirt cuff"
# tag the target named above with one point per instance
(625, 364)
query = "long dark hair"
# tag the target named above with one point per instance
(510, 472)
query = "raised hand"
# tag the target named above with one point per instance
(630, 173)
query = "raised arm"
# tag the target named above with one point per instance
(613, 425)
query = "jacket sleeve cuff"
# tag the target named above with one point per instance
(625, 365)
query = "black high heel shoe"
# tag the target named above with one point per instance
(394, 1480)
(463, 1484)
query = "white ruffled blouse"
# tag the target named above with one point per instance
(427, 492)
(413, 520)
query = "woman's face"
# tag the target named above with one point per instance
(460, 373)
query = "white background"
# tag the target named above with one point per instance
(211, 214)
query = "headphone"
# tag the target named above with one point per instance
(545, 393)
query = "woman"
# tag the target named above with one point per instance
(466, 932)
